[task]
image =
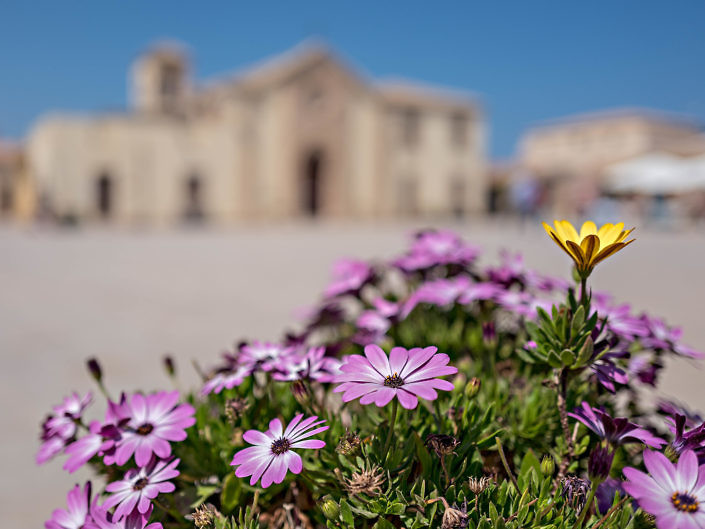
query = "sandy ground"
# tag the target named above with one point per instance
(129, 297)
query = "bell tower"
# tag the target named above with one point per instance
(160, 80)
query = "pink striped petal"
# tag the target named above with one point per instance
(309, 443)
(398, 358)
(406, 399)
(378, 359)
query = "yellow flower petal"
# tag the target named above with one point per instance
(588, 228)
(604, 230)
(612, 235)
(610, 250)
(562, 246)
(569, 233)
(623, 235)
(590, 246)
(578, 254)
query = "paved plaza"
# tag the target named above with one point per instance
(129, 297)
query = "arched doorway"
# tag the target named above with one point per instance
(193, 210)
(104, 195)
(311, 183)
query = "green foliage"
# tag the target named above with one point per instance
(503, 471)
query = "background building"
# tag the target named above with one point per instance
(569, 157)
(17, 197)
(300, 135)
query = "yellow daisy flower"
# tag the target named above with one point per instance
(591, 245)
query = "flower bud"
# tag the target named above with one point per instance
(94, 369)
(234, 409)
(441, 444)
(548, 466)
(472, 387)
(671, 453)
(204, 516)
(348, 443)
(455, 517)
(330, 509)
(600, 463)
(489, 334)
(301, 392)
(169, 365)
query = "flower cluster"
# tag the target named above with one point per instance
(282, 362)
(59, 428)
(138, 426)
(354, 419)
(82, 513)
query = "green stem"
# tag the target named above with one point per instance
(562, 393)
(583, 291)
(390, 434)
(505, 463)
(254, 504)
(591, 497)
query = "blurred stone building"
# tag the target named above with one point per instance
(16, 190)
(300, 135)
(568, 156)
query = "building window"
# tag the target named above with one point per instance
(193, 189)
(6, 196)
(410, 127)
(170, 79)
(104, 195)
(407, 196)
(311, 183)
(459, 129)
(457, 196)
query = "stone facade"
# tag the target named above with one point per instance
(570, 154)
(299, 135)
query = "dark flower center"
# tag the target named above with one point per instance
(684, 502)
(393, 381)
(281, 445)
(140, 484)
(145, 429)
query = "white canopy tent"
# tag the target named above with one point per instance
(656, 174)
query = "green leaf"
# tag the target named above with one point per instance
(567, 357)
(578, 321)
(346, 513)
(383, 523)
(230, 496)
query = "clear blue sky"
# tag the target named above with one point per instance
(529, 60)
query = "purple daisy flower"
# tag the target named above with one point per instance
(273, 454)
(227, 379)
(85, 448)
(77, 516)
(608, 374)
(60, 427)
(479, 292)
(373, 321)
(139, 487)
(671, 493)
(692, 439)
(154, 420)
(309, 364)
(616, 430)
(50, 448)
(522, 303)
(661, 336)
(349, 275)
(406, 375)
(104, 519)
(100, 439)
(437, 247)
(621, 321)
(264, 354)
(438, 292)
